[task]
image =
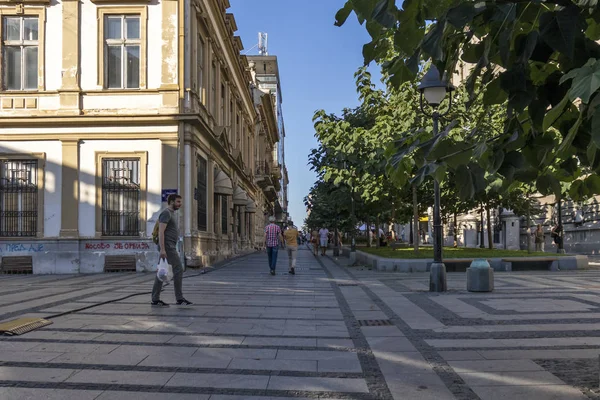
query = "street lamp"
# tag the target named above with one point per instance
(434, 88)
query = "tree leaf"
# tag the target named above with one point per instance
(342, 15)
(586, 81)
(432, 42)
(593, 184)
(464, 181)
(566, 143)
(591, 153)
(596, 128)
(527, 46)
(555, 113)
(382, 14)
(462, 14)
(559, 29)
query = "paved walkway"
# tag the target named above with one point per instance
(327, 332)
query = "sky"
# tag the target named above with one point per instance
(317, 62)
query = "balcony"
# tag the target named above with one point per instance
(276, 171)
(262, 172)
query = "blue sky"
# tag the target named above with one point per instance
(317, 61)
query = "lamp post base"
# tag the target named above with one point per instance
(437, 278)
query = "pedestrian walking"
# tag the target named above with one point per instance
(168, 236)
(314, 238)
(291, 244)
(272, 239)
(324, 238)
(539, 238)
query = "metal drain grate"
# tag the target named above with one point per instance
(375, 322)
(119, 264)
(17, 265)
(22, 325)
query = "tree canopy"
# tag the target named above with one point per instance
(539, 57)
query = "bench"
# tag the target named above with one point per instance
(530, 263)
(459, 264)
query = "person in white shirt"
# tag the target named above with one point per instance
(324, 238)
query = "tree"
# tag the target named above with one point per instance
(539, 56)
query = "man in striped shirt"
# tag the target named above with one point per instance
(273, 237)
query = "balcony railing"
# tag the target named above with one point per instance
(263, 168)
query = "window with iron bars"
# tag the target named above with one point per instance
(121, 197)
(18, 198)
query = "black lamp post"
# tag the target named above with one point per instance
(433, 88)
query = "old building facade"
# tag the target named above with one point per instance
(108, 107)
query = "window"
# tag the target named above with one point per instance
(200, 62)
(20, 53)
(239, 221)
(216, 212)
(121, 193)
(122, 37)
(224, 208)
(201, 179)
(223, 107)
(213, 89)
(237, 131)
(18, 198)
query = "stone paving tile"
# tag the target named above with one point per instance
(422, 386)
(539, 392)
(176, 361)
(280, 341)
(208, 340)
(339, 365)
(28, 356)
(14, 393)
(227, 381)
(115, 395)
(121, 377)
(335, 343)
(75, 348)
(35, 374)
(318, 384)
(381, 331)
(95, 359)
(315, 355)
(514, 378)
(275, 365)
(470, 366)
(257, 354)
(391, 344)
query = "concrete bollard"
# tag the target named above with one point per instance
(480, 276)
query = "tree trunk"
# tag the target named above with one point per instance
(415, 231)
(489, 228)
(368, 231)
(377, 231)
(455, 231)
(481, 236)
(410, 234)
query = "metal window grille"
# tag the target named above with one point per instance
(224, 207)
(18, 198)
(121, 197)
(202, 192)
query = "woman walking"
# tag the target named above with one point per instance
(539, 238)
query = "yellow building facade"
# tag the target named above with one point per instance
(105, 109)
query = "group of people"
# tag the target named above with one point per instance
(288, 239)
(320, 239)
(539, 236)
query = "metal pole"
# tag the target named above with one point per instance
(353, 243)
(437, 220)
(437, 275)
(561, 233)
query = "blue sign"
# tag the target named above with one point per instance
(166, 193)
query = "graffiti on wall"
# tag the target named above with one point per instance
(117, 246)
(22, 247)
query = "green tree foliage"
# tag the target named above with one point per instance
(539, 56)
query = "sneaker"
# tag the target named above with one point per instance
(292, 271)
(159, 303)
(272, 272)
(184, 302)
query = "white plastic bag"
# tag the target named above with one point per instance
(164, 271)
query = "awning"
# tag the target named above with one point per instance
(251, 206)
(240, 198)
(223, 184)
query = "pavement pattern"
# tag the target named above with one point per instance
(328, 332)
